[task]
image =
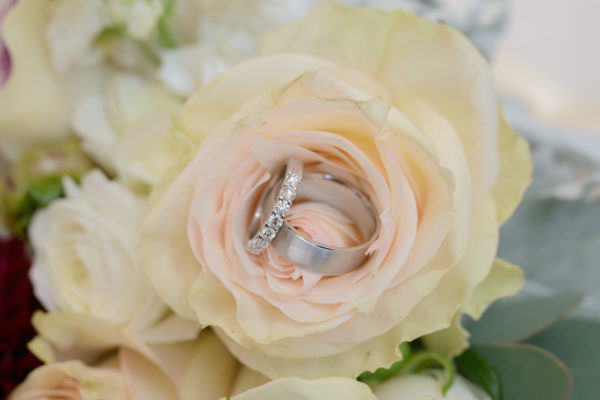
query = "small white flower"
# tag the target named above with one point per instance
(86, 256)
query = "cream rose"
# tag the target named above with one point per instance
(124, 127)
(389, 99)
(86, 262)
(423, 386)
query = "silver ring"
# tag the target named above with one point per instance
(319, 258)
(263, 230)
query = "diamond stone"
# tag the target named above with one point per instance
(281, 207)
(267, 234)
(292, 179)
(287, 193)
(257, 245)
(275, 221)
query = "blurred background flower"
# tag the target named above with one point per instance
(17, 304)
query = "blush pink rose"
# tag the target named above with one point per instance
(414, 125)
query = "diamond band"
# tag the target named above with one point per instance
(265, 229)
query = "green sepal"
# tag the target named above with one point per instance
(412, 363)
(480, 371)
(164, 34)
(39, 194)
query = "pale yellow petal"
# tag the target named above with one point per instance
(33, 107)
(247, 379)
(300, 389)
(65, 335)
(210, 371)
(414, 57)
(219, 100)
(503, 280)
(165, 250)
(144, 378)
(449, 341)
(515, 171)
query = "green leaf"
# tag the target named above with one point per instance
(556, 243)
(110, 34)
(165, 36)
(480, 371)
(39, 194)
(577, 343)
(45, 191)
(149, 52)
(528, 372)
(516, 319)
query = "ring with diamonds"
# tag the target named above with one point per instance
(264, 227)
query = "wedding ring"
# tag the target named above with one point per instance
(264, 229)
(320, 258)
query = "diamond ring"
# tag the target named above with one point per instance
(263, 230)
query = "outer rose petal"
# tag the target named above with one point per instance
(300, 389)
(33, 107)
(505, 279)
(219, 100)
(515, 171)
(411, 57)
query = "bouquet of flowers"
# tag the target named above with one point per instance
(258, 200)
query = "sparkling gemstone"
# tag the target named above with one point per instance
(287, 193)
(267, 234)
(292, 179)
(275, 220)
(257, 245)
(281, 207)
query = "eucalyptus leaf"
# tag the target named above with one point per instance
(480, 371)
(577, 343)
(528, 372)
(516, 319)
(556, 243)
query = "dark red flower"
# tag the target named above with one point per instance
(17, 304)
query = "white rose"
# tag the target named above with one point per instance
(86, 261)
(124, 127)
(428, 387)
